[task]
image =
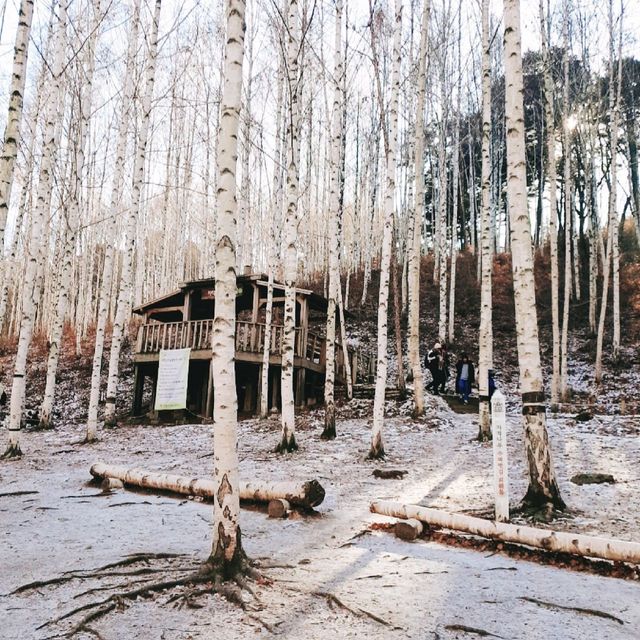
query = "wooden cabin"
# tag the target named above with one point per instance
(184, 318)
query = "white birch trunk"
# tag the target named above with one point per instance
(276, 224)
(115, 204)
(568, 213)
(73, 219)
(329, 431)
(485, 355)
(543, 488)
(227, 556)
(14, 116)
(31, 290)
(415, 222)
(553, 216)
(124, 295)
(391, 141)
(290, 252)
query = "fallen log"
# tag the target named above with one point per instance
(307, 495)
(574, 543)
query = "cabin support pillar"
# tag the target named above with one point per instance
(300, 386)
(138, 386)
(209, 406)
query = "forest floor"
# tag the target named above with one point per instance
(416, 590)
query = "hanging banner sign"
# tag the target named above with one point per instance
(173, 375)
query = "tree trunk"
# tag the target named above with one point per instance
(415, 221)
(391, 140)
(115, 205)
(123, 306)
(543, 488)
(290, 252)
(306, 494)
(553, 231)
(568, 213)
(73, 217)
(14, 116)
(31, 289)
(227, 555)
(485, 356)
(329, 431)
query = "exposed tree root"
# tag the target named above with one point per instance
(590, 612)
(102, 572)
(478, 632)
(333, 599)
(198, 582)
(287, 445)
(17, 493)
(11, 452)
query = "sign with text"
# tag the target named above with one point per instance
(500, 466)
(173, 374)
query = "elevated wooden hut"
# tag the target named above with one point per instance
(184, 318)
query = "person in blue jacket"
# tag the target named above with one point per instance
(465, 377)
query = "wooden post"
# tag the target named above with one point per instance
(354, 366)
(186, 309)
(259, 389)
(300, 386)
(256, 303)
(500, 462)
(209, 410)
(138, 386)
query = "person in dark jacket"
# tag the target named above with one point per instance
(432, 363)
(465, 377)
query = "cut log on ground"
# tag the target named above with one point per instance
(278, 508)
(408, 529)
(308, 494)
(574, 543)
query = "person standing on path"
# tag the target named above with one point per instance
(465, 377)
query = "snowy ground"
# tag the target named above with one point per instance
(422, 590)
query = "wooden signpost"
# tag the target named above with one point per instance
(500, 461)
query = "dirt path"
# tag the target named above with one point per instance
(416, 590)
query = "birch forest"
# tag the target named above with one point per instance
(364, 275)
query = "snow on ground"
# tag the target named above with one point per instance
(421, 589)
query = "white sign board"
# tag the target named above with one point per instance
(173, 374)
(500, 466)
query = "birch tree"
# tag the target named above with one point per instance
(115, 205)
(31, 289)
(543, 489)
(568, 211)
(84, 102)
(123, 307)
(390, 143)
(329, 431)
(14, 116)
(290, 252)
(416, 214)
(485, 356)
(553, 216)
(227, 556)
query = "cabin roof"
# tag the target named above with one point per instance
(176, 298)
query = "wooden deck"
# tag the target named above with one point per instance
(310, 348)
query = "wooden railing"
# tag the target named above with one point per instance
(196, 335)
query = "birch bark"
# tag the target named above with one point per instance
(14, 115)
(31, 290)
(123, 306)
(485, 356)
(73, 218)
(227, 556)
(115, 204)
(415, 223)
(391, 140)
(329, 431)
(543, 489)
(290, 252)
(553, 216)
